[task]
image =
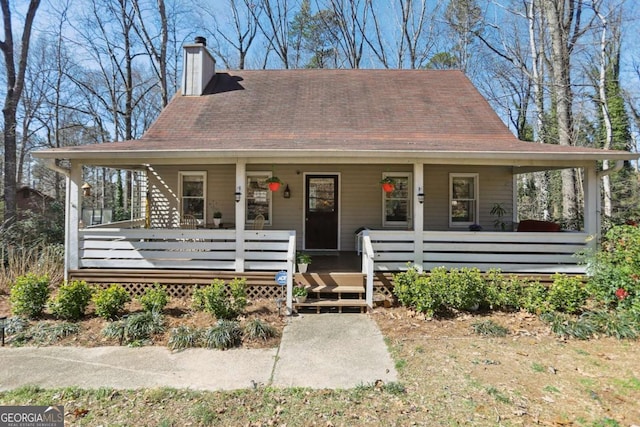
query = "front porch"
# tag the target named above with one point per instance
(197, 257)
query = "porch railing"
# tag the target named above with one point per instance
(510, 252)
(185, 249)
(368, 255)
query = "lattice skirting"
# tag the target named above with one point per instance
(253, 291)
(186, 291)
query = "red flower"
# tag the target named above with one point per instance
(622, 293)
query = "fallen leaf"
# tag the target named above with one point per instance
(80, 413)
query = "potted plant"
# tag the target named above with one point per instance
(499, 212)
(273, 182)
(303, 260)
(388, 184)
(217, 218)
(300, 293)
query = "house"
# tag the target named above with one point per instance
(30, 199)
(331, 137)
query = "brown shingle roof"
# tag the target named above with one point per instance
(329, 109)
(351, 110)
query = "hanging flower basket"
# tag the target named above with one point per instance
(273, 183)
(273, 186)
(388, 184)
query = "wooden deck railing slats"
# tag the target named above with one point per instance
(509, 251)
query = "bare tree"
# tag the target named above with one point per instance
(273, 18)
(565, 28)
(464, 18)
(14, 85)
(244, 25)
(157, 51)
(351, 18)
(414, 38)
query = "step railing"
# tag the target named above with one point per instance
(368, 265)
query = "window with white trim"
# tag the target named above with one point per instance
(396, 206)
(193, 190)
(258, 197)
(463, 199)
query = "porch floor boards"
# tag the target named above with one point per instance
(335, 262)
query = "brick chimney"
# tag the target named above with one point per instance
(198, 67)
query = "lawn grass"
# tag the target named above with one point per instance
(446, 378)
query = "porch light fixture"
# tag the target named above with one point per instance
(420, 195)
(238, 195)
(86, 189)
(287, 192)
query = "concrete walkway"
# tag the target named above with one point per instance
(318, 351)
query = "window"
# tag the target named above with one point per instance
(463, 196)
(397, 203)
(193, 190)
(258, 196)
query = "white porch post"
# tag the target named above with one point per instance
(591, 204)
(241, 173)
(418, 215)
(73, 210)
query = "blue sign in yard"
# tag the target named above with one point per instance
(281, 278)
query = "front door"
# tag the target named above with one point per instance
(321, 212)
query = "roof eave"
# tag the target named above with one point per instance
(284, 156)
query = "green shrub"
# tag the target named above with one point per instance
(620, 324)
(534, 298)
(503, 292)
(44, 333)
(404, 286)
(568, 326)
(72, 300)
(154, 299)
(459, 289)
(142, 326)
(257, 329)
(184, 337)
(110, 302)
(567, 294)
(615, 268)
(15, 324)
(115, 330)
(226, 334)
(136, 328)
(222, 303)
(429, 295)
(29, 295)
(465, 289)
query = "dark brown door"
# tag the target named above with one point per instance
(321, 212)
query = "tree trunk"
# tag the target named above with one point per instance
(561, 67)
(15, 84)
